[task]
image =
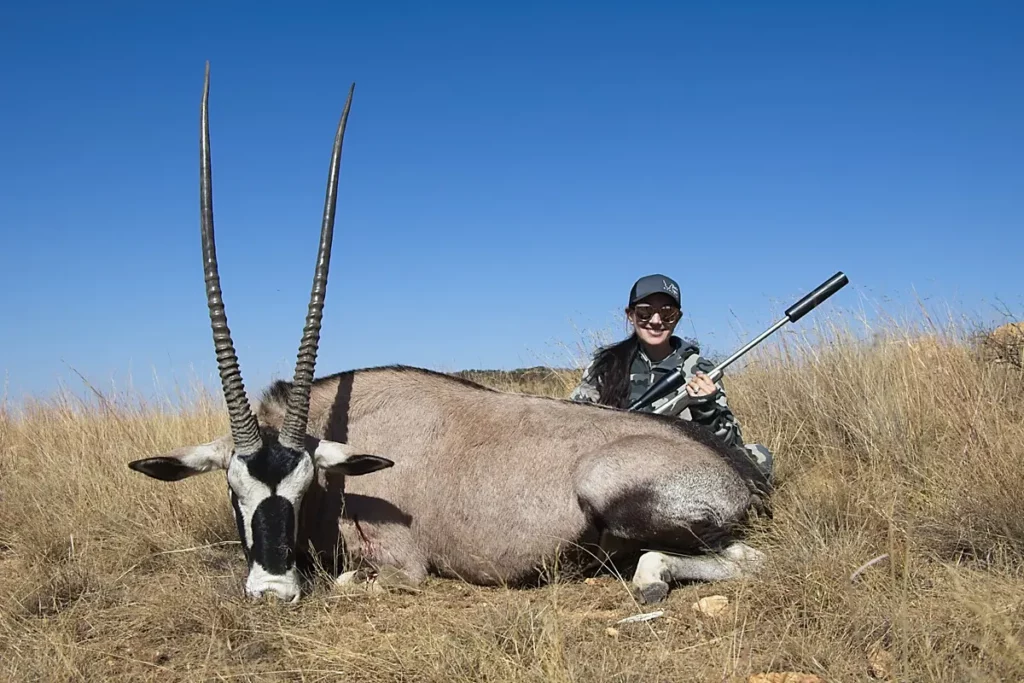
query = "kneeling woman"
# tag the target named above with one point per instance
(620, 373)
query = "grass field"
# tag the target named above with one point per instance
(910, 446)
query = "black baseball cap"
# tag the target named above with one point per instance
(654, 284)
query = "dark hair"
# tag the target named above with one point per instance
(610, 371)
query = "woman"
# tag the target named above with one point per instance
(620, 373)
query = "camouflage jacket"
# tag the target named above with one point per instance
(712, 411)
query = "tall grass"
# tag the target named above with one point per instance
(906, 445)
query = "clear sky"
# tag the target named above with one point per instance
(509, 170)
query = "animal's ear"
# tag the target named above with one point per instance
(188, 461)
(341, 458)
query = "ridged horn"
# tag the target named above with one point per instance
(293, 430)
(244, 430)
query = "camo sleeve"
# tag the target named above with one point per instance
(586, 391)
(715, 413)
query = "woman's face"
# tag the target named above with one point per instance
(654, 318)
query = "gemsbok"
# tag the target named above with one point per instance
(467, 482)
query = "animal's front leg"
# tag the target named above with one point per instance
(357, 579)
(380, 557)
(385, 579)
(655, 570)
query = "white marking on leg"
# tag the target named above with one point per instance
(651, 577)
(347, 578)
(358, 579)
(736, 561)
(650, 569)
(748, 560)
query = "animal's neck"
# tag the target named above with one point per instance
(319, 543)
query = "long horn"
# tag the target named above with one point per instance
(293, 430)
(244, 430)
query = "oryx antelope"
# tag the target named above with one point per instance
(471, 483)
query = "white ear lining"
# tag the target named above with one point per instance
(331, 453)
(207, 456)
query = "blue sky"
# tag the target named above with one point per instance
(509, 170)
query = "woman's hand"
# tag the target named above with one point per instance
(701, 385)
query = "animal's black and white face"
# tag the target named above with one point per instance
(266, 490)
(268, 472)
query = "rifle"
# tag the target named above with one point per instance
(674, 379)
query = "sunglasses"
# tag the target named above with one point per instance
(644, 313)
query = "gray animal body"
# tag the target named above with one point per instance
(422, 473)
(493, 487)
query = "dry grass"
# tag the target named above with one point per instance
(541, 381)
(913, 449)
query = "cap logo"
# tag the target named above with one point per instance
(670, 287)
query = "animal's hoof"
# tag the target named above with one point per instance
(653, 593)
(357, 581)
(749, 561)
(354, 576)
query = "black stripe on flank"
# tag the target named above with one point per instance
(273, 528)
